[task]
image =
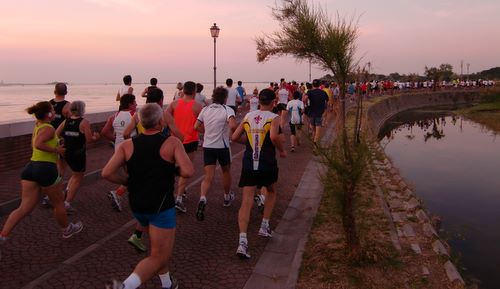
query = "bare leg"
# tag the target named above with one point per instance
(73, 185)
(181, 186)
(29, 198)
(246, 206)
(207, 180)
(162, 245)
(270, 202)
(57, 199)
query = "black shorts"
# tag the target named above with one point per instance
(211, 156)
(250, 178)
(281, 106)
(76, 161)
(190, 147)
(294, 127)
(44, 174)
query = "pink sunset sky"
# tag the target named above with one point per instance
(97, 41)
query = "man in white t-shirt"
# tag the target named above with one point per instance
(200, 98)
(253, 100)
(126, 88)
(215, 121)
(233, 96)
(295, 108)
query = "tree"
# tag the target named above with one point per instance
(307, 33)
(443, 72)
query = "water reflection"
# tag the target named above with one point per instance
(454, 164)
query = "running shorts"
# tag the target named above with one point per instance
(281, 106)
(316, 121)
(211, 156)
(44, 174)
(250, 178)
(164, 219)
(190, 147)
(76, 161)
(294, 128)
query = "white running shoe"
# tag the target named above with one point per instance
(72, 229)
(229, 200)
(116, 201)
(242, 251)
(265, 232)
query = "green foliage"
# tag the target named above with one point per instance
(492, 73)
(443, 72)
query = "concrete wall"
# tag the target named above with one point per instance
(15, 140)
(379, 112)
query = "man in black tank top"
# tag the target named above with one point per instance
(61, 106)
(151, 160)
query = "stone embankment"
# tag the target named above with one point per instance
(412, 229)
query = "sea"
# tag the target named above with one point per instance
(15, 98)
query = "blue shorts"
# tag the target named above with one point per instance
(316, 121)
(164, 219)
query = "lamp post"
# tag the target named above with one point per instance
(214, 30)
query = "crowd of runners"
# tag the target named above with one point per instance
(153, 158)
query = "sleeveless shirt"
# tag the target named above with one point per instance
(184, 119)
(151, 178)
(43, 156)
(74, 140)
(58, 108)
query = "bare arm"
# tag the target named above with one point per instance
(237, 135)
(185, 165)
(198, 125)
(130, 90)
(168, 121)
(108, 130)
(276, 137)
(111, 170)
(131, 126)
(44, 135)
(85, 129)
(143, 94)
(59, 130)
(232, 124)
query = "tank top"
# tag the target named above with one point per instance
(151, 178)
(260, 153)
(43, 156)
(121, 121)
(283, 96)
(74, 140)
(184, 119)
(58, 108)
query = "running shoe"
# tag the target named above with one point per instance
(137, 243)
(116, 202)
(293, 149)
(265, 231)
(72, 229)
(179, 205)
(46, 202)
(259, 201)
(69, 209)
(242, 251)
(230, 199)
(184, 195)
(114, 284)
(200, 212)
(175, 284)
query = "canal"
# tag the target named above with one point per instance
(454, 165)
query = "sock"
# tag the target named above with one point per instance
(166, 282)
(226, 196)
(178, 199)
(138, 233)
(67, 204)
(243, 238)
(265, 223)
(120, 191)
(262, 198)
(132, 282)
(203, 199)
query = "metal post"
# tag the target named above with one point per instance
(215, 59)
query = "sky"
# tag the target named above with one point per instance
(99, 41)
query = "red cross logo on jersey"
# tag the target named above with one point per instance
(257, 119)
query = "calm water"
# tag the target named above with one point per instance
(455, 166)
(98, 97)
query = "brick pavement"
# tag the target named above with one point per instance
(204, 253)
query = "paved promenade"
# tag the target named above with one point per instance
(35, 256)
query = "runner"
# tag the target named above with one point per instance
(185, 111)
(113, 130)
(233, 97)
(318, 100)
(295, 108)
(178, 93)
(215, 120)
(126, 88)
(253, 100)
(153, 81)
(200, 98)
(283, 95)
(260, 167)
(41, 174)
(76, 134)
(151, 160)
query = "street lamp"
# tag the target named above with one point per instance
(214, 30)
